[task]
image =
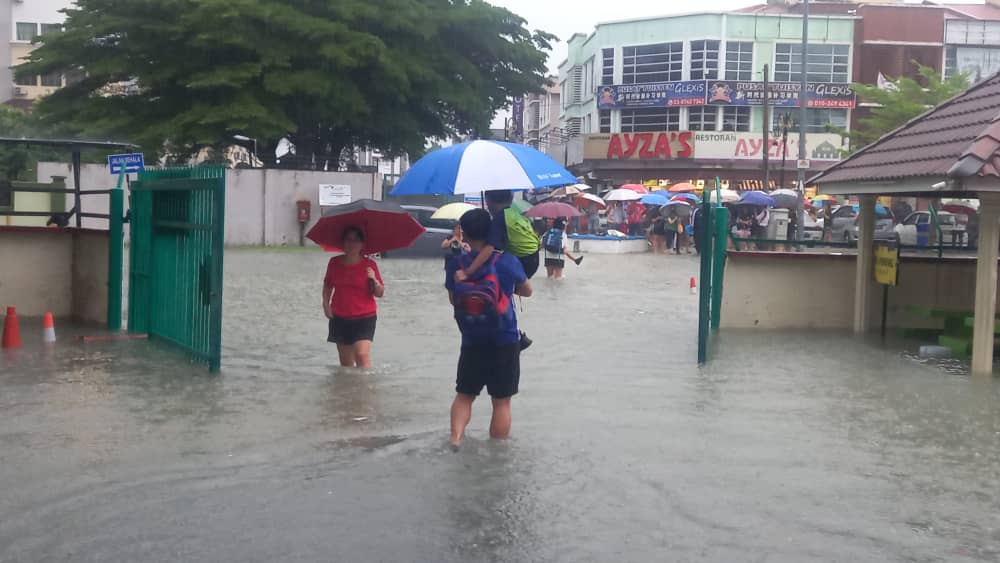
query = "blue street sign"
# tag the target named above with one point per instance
(132, 163)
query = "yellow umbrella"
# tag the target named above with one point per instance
(453, 211)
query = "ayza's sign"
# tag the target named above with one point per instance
(725, 145)
(886, 263)
(131, 163)
(644, 146)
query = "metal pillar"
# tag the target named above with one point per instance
(863, 273)
(800, 210)
(767, 129)
(78, 209)
(986, 284)
(116, 253)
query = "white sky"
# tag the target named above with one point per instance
(566, 17)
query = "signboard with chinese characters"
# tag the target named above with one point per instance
(780, 94)
(653, 94)
(724, 145)
(334, 194)
(665, 145)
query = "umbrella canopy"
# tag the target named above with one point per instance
(453, 211)
(686, 196)
(587, 199)
(824, 197)
(654, 199)
(552, 210)
(521, 205)
(785, 198)
(959, 208)
(621, 195)
(477, 166)
(677, 208)
(385, 224)
(728, 196)
(637, 188)
(564, 191)
(683, 187)
(756, 198)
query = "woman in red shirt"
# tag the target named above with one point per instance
(349, 290)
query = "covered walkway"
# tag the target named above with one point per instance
(952, 151)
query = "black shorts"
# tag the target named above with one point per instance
(555, 263)
(498, 368)
(349, 331)
(529, 263)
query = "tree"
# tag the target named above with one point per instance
(903, 100)
(330, 74)
(17, 162)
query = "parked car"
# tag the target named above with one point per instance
(844, 223)
(429, 243)
(952, 230)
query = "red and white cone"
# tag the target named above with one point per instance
(694, 286)
(11, 330)
(48, 329)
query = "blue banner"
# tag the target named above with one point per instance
(723, 92)
(653, 94)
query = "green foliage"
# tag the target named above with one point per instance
(387, 74)
(18, 162)
(907, 100)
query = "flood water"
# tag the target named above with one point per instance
(787, 447)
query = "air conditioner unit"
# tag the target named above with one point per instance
(20, 92)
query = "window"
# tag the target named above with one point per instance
(739, 60)
(735, 119)
(588, 81)
(6, 194)
(651, 120)
(820, 120)
(826, 63)
(605, 123)
(653, 63)
(845, 211)
(26, 31)
(702, 118)
(607, 67)
(27, 81)
(52, 79)
(576, 87)
(51, 28)
(562, 94)
(911, 220)
(950, 61)
(704, 60)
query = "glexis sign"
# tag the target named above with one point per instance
(640, 146)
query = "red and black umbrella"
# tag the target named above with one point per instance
(386, 226)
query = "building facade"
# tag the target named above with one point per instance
(22, 22)
(682, 98)
(541, 123)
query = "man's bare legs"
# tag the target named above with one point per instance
(500, 423)
(461, 413)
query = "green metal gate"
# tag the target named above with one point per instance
(175, 266)
(714, 225)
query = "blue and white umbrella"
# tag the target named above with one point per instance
(479, 166)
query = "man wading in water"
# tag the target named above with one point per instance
(491, 347)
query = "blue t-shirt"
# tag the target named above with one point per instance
(497, 236)
(510, 273)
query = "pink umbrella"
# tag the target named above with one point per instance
(637, 188)
(552, 210)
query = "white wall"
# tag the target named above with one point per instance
(37, 11)
(260, 204)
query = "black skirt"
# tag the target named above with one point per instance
(349, 331)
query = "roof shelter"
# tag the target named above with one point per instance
(951, 151)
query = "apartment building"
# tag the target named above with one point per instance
(21, 23)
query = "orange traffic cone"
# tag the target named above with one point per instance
(48, 329)
(694, 286)
(11, 330)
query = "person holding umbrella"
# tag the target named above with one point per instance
(350, 287)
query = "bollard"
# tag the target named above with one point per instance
(11, 330)
(694, 286)
(48, 329)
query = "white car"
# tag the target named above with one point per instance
(952, 230)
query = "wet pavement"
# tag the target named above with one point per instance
(788, 447)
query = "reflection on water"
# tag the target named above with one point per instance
(787, 447)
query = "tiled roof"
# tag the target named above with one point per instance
(959, 138)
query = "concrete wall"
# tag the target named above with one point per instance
(260, 204)
(59, 270)
(782, 291)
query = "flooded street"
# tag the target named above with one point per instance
(787, 447)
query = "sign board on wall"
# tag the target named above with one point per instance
(723, 92)
(334, 194)
(665, 145)
(130, 163)
(886, 263)
(724, 145)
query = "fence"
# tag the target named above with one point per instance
(713, 226)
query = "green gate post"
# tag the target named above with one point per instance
(720, 220)
(116, 244)
(704, 297)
